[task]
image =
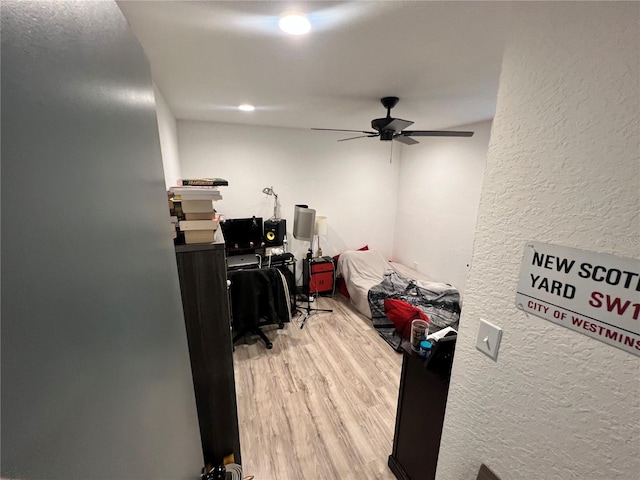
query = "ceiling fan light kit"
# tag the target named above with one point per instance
(389, 128)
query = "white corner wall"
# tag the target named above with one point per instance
(167, 130)
(438, 197)
(563, 168)
(352, 183)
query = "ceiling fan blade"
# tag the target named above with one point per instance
(397, 125)
(403, 139)
(340, 130)
(436, 133)
(359, 136)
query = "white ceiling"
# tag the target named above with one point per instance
(441, 58)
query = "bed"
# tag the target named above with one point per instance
(371, 282)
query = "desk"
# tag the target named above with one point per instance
(284, 259)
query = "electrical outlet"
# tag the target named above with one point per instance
(488, 340)
(415, 265)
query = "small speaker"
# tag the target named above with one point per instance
(274, 232)
(304, 221)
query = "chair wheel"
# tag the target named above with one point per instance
(281, 326)
(269, 346)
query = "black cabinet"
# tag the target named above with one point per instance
(422, 400)
(203, 284)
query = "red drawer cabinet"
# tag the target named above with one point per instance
(319, 276)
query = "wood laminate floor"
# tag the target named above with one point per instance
(322, 403)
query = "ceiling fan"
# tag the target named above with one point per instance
(389, 128)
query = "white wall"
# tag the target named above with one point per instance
(438, 198)
(352, 183)
(563, 168)
(96, 378)
(167, 129)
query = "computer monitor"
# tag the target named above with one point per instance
(242, 234)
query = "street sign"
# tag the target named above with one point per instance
(592, 293)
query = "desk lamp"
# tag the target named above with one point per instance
(269, 191)
(321, 228)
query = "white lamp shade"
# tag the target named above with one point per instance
(322, 226)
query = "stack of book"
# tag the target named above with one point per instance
(203, 182)
(196, 197)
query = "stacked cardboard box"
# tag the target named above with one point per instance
(200, 219)
(200, 231)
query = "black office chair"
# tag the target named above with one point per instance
(257, 294)
(256, 330)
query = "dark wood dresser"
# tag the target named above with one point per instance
(422, 400)
(202, 272)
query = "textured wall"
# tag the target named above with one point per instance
(563, 167)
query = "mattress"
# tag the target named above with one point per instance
(363, 269)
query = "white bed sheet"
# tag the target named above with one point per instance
(363, 269)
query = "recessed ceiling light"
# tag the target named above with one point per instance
(294, 24)
(245, 107)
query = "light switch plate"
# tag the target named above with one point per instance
(488, 341)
